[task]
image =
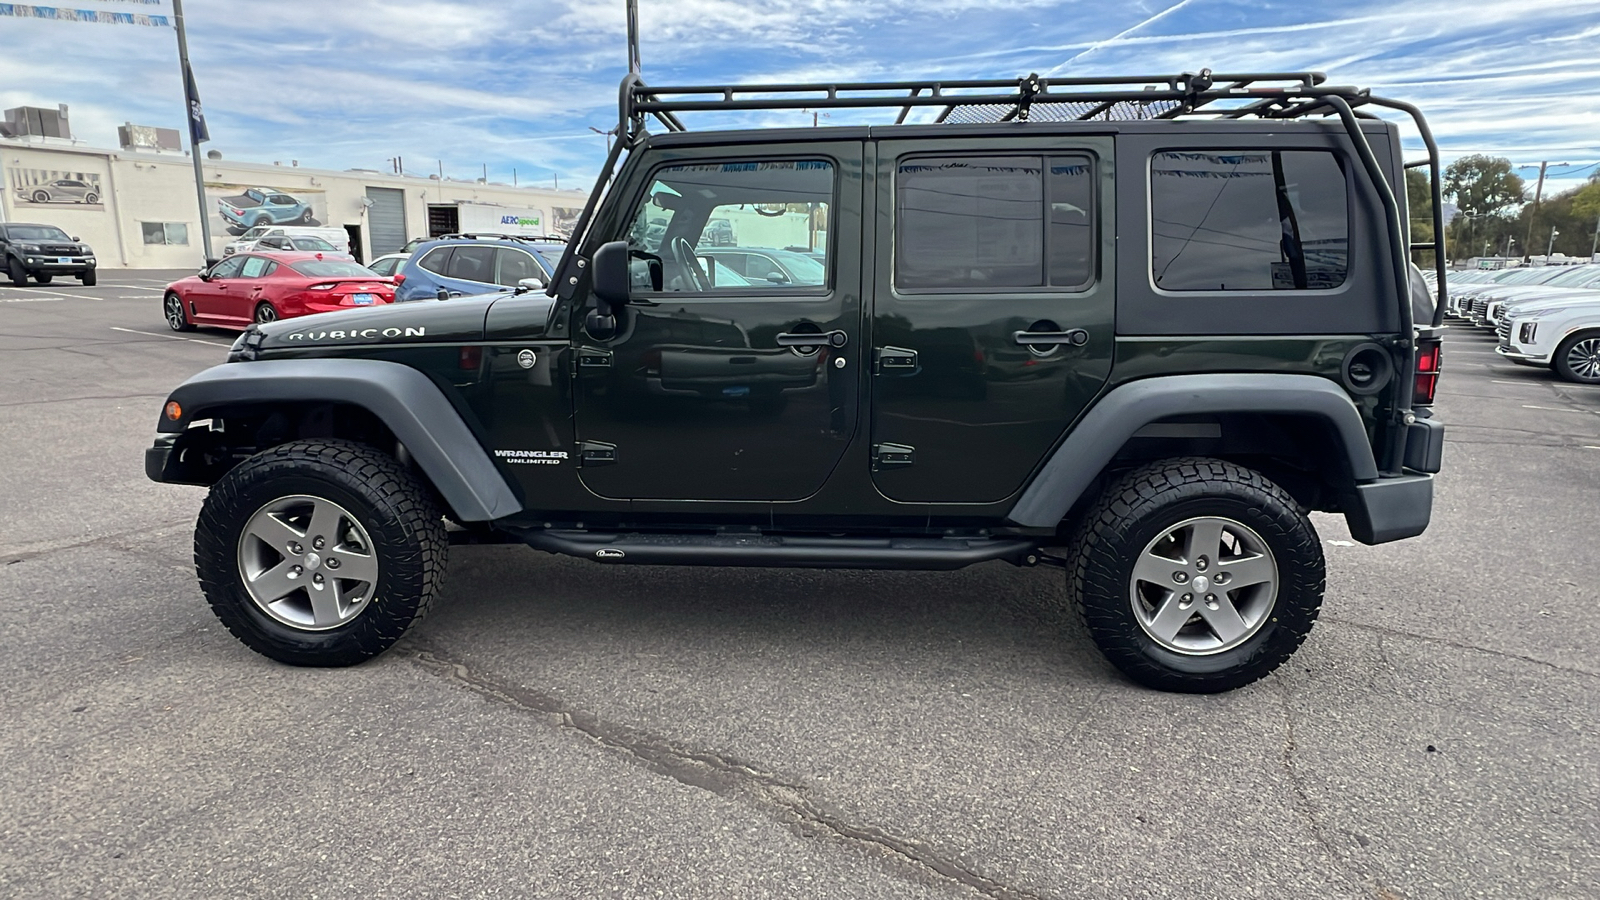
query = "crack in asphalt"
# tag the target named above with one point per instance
(78, 399)
(1302, 802)
(1460, 645)
(25, 552)
(716, 773)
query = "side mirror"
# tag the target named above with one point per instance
(76, 238)
(442, 294)
(530, 284)
(204, 274)
(611, 274)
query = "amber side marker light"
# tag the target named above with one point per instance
(174, 411)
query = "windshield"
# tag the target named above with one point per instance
(36, 233)
(325, 268)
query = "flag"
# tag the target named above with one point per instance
(197, 117)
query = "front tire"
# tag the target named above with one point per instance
(44, 279)
(89, 278)
(1578, 358)
(320, 552)
(177, 317)
(1196, 575)
(19, 275)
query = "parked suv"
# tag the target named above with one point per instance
(1055, 327)
(463, 264)
(43, 252)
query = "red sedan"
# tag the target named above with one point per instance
(263, 287)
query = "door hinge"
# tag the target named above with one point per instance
(593, 358)
(888, 456)
(898, 359)
(596, 453)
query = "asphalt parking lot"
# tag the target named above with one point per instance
(560, 729)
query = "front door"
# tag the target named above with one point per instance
(718, 386)
(993, 309)
(209, 301)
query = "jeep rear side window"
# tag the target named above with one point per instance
(698, 218)
(1226, 220)
(979, 222)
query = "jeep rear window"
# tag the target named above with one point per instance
(1248, 220)
(979, 222)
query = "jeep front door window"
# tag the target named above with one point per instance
(692, 211)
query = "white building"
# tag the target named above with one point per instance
(138, 209)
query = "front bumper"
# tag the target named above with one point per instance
(52, 265)
(1519, 356)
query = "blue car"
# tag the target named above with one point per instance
(263, 206)
(461, 265)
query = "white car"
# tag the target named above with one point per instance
(338, 237)
(388, 264)
(1576, 278)
(1562, 334)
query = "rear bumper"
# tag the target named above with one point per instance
(1390, 509)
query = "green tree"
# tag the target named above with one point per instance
(1419, 199)
(1483, 185)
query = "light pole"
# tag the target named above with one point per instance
(1552, 244)
(606, 134)
(1594, 244)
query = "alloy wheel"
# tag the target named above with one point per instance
(307, 562)
(265, 313)
(174, 309)
(1204, 586)
(1583, 358)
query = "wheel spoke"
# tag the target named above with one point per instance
(1170, 618)
(355, 566)
(325, 523)
(1155, 569)
(1248, 570)
(324, 605)
(276, 583)
(1224, 620)
(1204, 538)
(276, 533)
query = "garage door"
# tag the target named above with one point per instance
(386, 219)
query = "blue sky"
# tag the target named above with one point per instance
(350, 83)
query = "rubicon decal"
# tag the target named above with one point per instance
(359, 334)
(532, 457)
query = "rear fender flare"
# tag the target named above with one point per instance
(405, 400)
(1102, 432)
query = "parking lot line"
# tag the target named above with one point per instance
(1556, 409)
(170, 337)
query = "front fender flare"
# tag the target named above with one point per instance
(1103, 431)
(404, 399)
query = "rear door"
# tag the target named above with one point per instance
(716, 387)
(993, 309)
(470, 269)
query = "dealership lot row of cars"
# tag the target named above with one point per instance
(1544, 316)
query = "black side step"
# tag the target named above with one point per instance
(795, 552)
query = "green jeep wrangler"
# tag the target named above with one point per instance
(1135, 328)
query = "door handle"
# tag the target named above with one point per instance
(813, 339)
(1077, 337)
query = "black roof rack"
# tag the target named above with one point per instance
(489, 236)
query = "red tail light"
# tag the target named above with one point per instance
(471, 357)
(399, 279)
(1429, 355)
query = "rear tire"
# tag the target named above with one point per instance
(272, 532)
(1578, 358)
(19, 275)
(265, 313)
(1150, 564)
(177, 317)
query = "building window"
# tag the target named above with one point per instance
(1225, 220)
(173, 233)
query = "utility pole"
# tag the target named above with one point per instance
(194, 145)
(1527, 244)
(1594, 244)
